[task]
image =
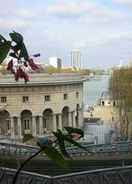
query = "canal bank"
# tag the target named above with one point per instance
(100, 115)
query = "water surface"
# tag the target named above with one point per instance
(93, 89)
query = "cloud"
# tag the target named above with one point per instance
(13, 23)
(123, 2)
(25, 13)
(82, 9)
(57, 27)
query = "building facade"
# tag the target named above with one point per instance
(55, 62)
(45, 104)
(76, 58)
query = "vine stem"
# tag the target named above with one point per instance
(23, 164)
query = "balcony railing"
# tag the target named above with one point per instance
(119, 175)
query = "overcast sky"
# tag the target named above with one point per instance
(102, 29)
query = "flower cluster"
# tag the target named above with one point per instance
(20, 69)
(21, 62)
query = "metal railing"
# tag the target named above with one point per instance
(20, 150)
(119, 175)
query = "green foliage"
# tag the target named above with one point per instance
(2, 39)
(61, 142)
(20, 46)
(121, 92)
(63, 138)
(51, 69)
(4, 49)
(23, 52)
(16, 37)
(17, 51)
(47, 147)
(72, 130)
(54, 155)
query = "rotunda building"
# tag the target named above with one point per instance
(47, 103)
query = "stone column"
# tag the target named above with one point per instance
(60, 121)
(12, 128)
(74, 119)
(80, 118)
(40, 125)
(70, 119)
(19, 127)
(54, 123)
(34, 127)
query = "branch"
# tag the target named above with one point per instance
(23, 164)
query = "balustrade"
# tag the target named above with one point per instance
(119, 175)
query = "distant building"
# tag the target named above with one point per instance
(106, 99)
(76, 58)
(44, 104)
(98, 133)
(55, 62)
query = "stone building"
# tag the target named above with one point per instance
(43, 105)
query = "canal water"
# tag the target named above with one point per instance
(93, 89)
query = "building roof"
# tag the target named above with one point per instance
(43, 79)
(105, 95)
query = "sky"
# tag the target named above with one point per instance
(101, 29)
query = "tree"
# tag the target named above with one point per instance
(120, 87)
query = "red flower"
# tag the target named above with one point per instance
(25, 64)
(16, 76)
(32, 64)
(76, 136)
(21, 74)
(10, 66)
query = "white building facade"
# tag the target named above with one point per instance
(45, 104)
(76, 58)
(55, 62)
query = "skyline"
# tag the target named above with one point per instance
(100, 29)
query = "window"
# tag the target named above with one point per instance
(77, 94)
(44, 123)
(65, 96)
(25, 99)
(3, 99)
(8, 124)
(26, 124)
(47, 98)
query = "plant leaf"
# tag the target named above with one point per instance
(54, 155)
(71, 130)
(16, 37)
(24, 53)
(2, 38)
(61, 143)
(4, 49)
(12, 54)
(16, 48)
(70, 140)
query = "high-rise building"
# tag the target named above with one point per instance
(55, 62)
(76, 58)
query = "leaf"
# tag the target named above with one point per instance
(54, 155)
(70, 140)
(71, 130)
(61, 143)
(12, 54)
(2, 39)
(16, 48)
(16, 37)
(4, 49)
(24, 53)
